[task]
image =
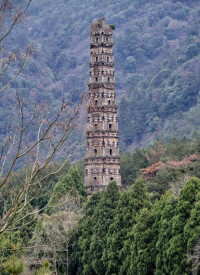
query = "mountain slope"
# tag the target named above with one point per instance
(157, 61)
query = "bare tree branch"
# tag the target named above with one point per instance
(194, 257)
(18, 15)
(64, 125)
(19, 71)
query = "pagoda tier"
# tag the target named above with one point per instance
(102, 159)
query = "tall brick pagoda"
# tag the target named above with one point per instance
(102, 158)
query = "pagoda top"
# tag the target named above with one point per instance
(99, 27)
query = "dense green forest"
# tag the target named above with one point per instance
(151, 227)
(156, 62)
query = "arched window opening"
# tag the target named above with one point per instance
(95, 102)
(111, 178)
(110, 126)
(107, 59)
(95, 179)
(96, 59)
(96, 79)
(95, 152)
(97, 40)
(109, 102)
(111, 152)
(108, 79)
(107, 40)
(95, 126)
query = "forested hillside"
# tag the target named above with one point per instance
(157, 63)
(49, 225)
(151, 227)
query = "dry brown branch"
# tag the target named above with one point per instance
(28, 52)
(9, 16)
(51, 135)
(184, 162)
(152, 170)
(156, 153)
(19, 13)
(54, 235)
(178, 184)
(194, 257)
(51, 131)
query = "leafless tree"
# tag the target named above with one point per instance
(51, 134)
(52, 239)
(194, 257)
(34, 137)
(15, 14)
(178, 184)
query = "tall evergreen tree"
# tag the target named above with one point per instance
(192, 236)
(117, 256)
(103, 218)
(142, 260)
(80, 263)
(162, 230)
(176, 254)
(71, 184)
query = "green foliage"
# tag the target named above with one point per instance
(192, 229)
(10, 253)
(136, 237)
(44, 270)
(98, 216)
(120, 233)
(178, 242)
(112, 27)
(164, 211)
(142, 260)
(103, 218)
(82, 238)
(14, 266)
(129, 204)
(71, 183)
(131, 164)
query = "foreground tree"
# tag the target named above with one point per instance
(142, 250)
(82, 237)
(10, 16)
(90, 239)
(103, 218)
(35, 136)
(176, 253)
(164, 211)
(72, 184)
(129, 204)
(52, 235)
